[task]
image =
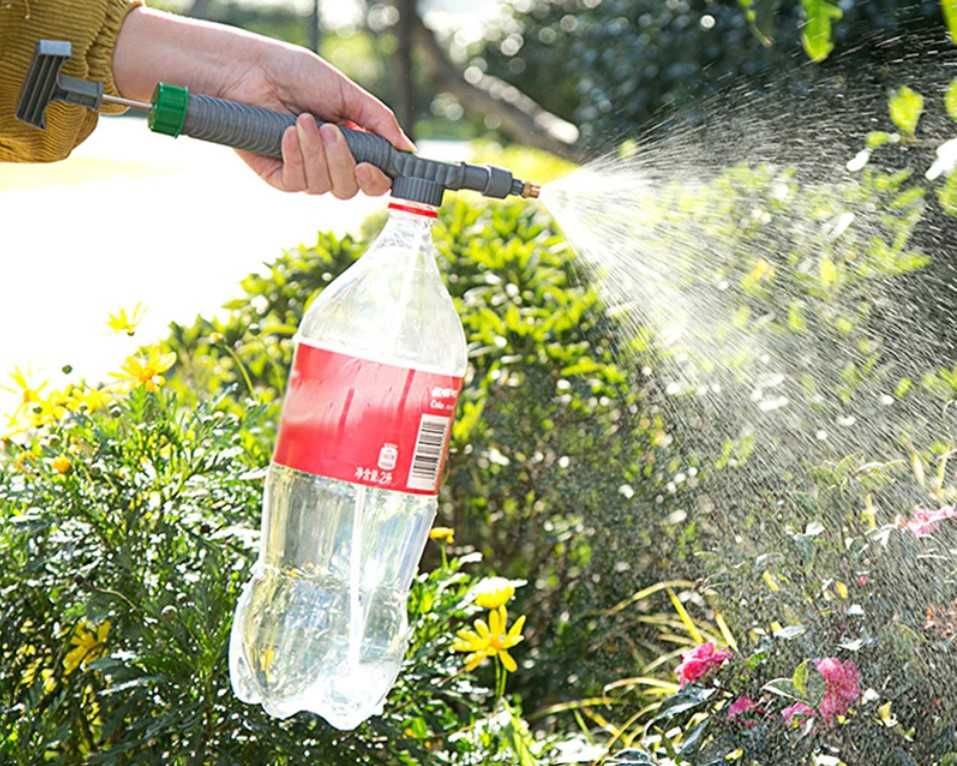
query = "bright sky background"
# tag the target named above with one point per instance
(345, 12)
(133, 217)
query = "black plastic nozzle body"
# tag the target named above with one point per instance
(260, 131)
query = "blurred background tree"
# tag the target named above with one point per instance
(533, 70)
(614, 66)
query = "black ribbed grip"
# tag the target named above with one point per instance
(260, 131)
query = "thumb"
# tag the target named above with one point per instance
(370, 113)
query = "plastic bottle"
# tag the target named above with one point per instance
(351, 492)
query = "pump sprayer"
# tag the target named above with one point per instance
(174, 111)
(366, 423)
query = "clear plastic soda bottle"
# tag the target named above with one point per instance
(351, 493)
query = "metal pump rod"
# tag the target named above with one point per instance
(174, 111)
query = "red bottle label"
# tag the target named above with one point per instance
(366, 422)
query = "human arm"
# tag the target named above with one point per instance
(92, 27)
(229, 63)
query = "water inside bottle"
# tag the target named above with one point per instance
(322, 626)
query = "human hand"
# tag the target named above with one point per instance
(229, 63)
(316, 159)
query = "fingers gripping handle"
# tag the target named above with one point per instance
(176, 111)
(260, 131)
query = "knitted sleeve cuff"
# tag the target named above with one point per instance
(100, 55)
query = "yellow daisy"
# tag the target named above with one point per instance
(29, 393)
(491, 639)
(89, 642)
(146, 371)
(493, 592)
(443, 535)
(61, 464)
(128, 322)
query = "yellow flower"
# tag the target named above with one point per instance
(61, 464)
(30, 672)
(122, 321)
(30, 675)
(493, 592)
(29, 394)
(21, 460)
(146, 371)
(49, 682)
(89, 642)
(51, 409)
(95, 399)
(490, 639)
(443, 534)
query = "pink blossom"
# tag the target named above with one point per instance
(742, 706)
(842, 686)
(924, 522)
(798, 710)
(700, 661)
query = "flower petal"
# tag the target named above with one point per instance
(507, 661)
(516, 629)
(482, 628)
(468, 635)
(496, 621)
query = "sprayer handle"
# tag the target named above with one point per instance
(176, 111)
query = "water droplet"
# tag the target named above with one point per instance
(769, 405)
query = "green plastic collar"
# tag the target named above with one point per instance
(168, 115)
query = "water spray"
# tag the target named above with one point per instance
(174, 111)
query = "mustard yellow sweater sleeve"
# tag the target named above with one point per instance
(92, 26)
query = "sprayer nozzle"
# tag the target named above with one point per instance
(531, 191)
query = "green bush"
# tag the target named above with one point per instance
(126, 535)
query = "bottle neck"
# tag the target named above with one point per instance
(412, 216)
(409, 225)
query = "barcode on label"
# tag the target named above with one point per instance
(429, 447)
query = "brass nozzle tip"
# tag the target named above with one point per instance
(531, 191)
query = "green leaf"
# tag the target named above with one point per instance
(818, 32)
(796, 321)
(782, 687)
(950, 16)
(689, 698)
(878, 138)
(799, 677)
(692, 741)
(828, 271)
(906, 107)
(519, 739)
(950, 100)
(948, 195)
(761, 16)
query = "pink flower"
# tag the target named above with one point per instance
(797, 711)
(742, 706)
(842, 686)
(700, 661)
(924, 522)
